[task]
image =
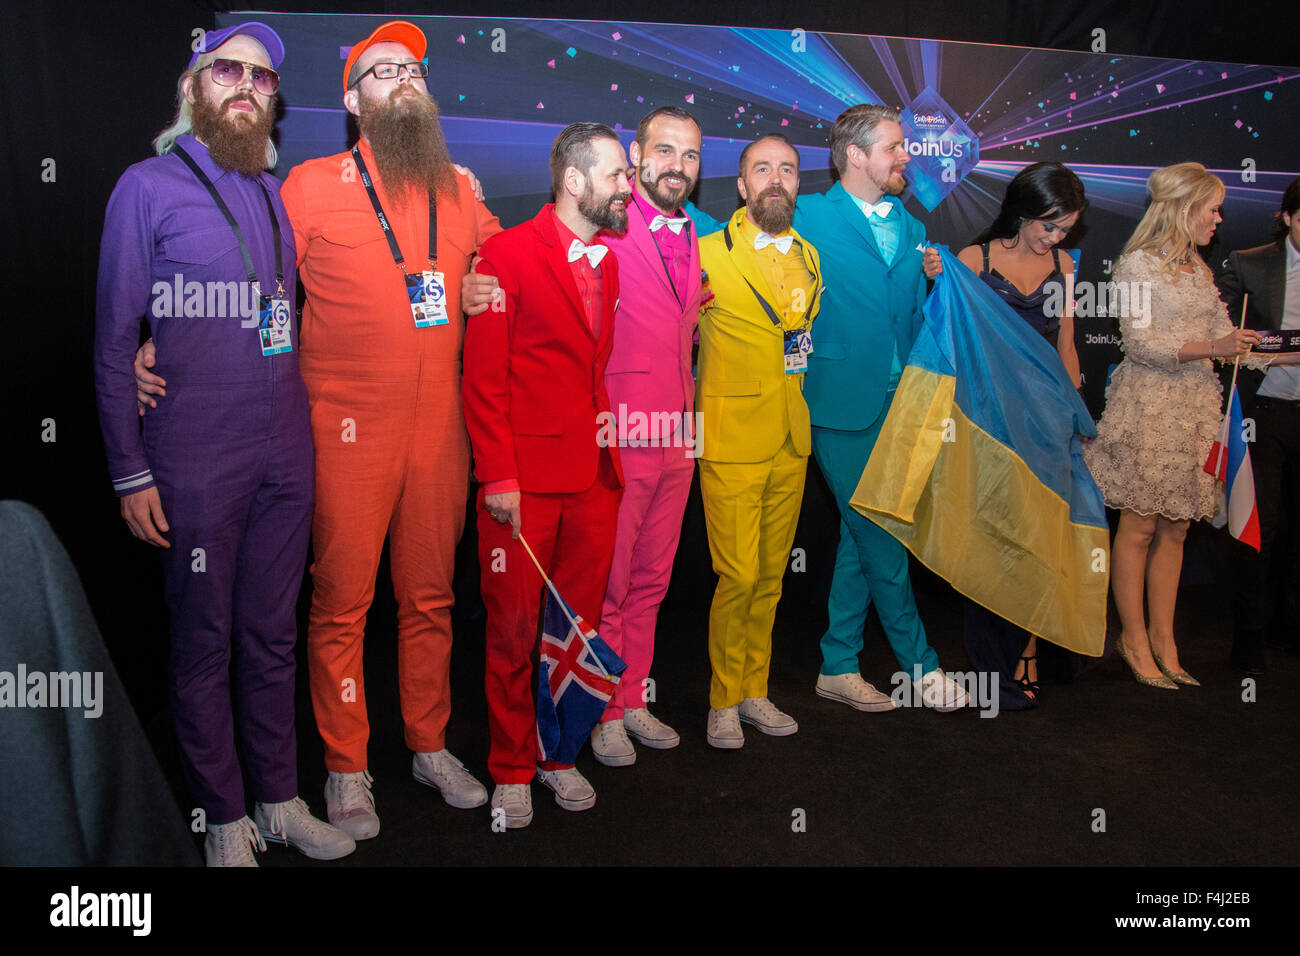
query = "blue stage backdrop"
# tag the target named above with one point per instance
(974, 114)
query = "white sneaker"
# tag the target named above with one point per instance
(724, 728)
(942, 693)
(851, 689)
(763, 714)
(292, 824)
(231, 844)
(349, 804)
(650, 730)
(515, 802)
(572, 791)
(448, 775)
(610, 744)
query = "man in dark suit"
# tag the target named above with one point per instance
(1270, 276)
(534, 395)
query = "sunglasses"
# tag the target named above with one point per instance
(229, 72)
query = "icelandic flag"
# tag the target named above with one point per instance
(1229, 461)
(576, 675)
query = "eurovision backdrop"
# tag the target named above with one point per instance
(973, 115)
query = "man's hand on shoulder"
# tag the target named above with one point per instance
(477, 291)
(474, 184)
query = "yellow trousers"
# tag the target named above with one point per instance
(751, 510)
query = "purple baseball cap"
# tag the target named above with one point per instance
(257, 30)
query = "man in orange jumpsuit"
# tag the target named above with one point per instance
(382, 263)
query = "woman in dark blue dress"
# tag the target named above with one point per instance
(1017, 257)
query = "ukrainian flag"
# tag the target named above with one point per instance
(979, 469)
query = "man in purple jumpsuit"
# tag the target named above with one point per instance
(220, 478)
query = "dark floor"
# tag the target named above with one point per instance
(1105, 772)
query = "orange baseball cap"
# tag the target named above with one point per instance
(394, 31)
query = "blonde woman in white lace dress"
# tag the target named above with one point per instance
(1163, 409)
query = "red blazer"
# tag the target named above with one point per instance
(534, 379)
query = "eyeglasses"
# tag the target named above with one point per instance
(229, 72)
(389, 71)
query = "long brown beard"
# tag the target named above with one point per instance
(236, 141)
(409, 147)
(773, 218)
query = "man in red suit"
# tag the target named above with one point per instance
(534, 394)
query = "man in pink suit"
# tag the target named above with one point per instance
(652, 398)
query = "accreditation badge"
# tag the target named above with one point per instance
(427, 293)
(798, 346)
(275, 325)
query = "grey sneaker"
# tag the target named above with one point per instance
(232, 844)
(572, 791)
(610, 745)
(851, 689)
(649, 730)
(514, 801)
(448, 776)
(724, 729)
(292, 824)
(762, 713)
(349, 804)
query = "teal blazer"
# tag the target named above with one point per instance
(868, 306)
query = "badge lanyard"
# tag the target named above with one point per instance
(273, 311)
(426, 291)
(671, 284)
(797, 342)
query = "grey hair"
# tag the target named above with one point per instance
(858, 126)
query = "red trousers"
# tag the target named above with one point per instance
(572, 536)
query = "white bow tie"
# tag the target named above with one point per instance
(881, 209)
(594, 253)
(658, 222)
(782, 243)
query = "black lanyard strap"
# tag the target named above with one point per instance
(383, 219)
(230, 218)
(767, 307)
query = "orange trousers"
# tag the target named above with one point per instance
(392, 459)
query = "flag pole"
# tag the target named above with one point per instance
(565, 608)
(1227, 413)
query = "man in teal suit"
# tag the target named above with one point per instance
(872, 261)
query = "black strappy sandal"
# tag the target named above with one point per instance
(1028, 687)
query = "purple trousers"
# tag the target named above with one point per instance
(234, 466)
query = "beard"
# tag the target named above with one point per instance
(409, 147)
(236, 140)
(893, 185)
(662, 196)
(603, 215)
(773, 210)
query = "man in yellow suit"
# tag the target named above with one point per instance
(755, 434)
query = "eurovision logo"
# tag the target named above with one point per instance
(942, 146)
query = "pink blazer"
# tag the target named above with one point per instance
(650, 365)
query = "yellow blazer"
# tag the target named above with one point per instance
(748, 402)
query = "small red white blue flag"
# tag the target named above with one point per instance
(576, 675)
(1229, 461)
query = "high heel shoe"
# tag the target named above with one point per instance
(1027, 687)
(1178, 677)
(1162, 682)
